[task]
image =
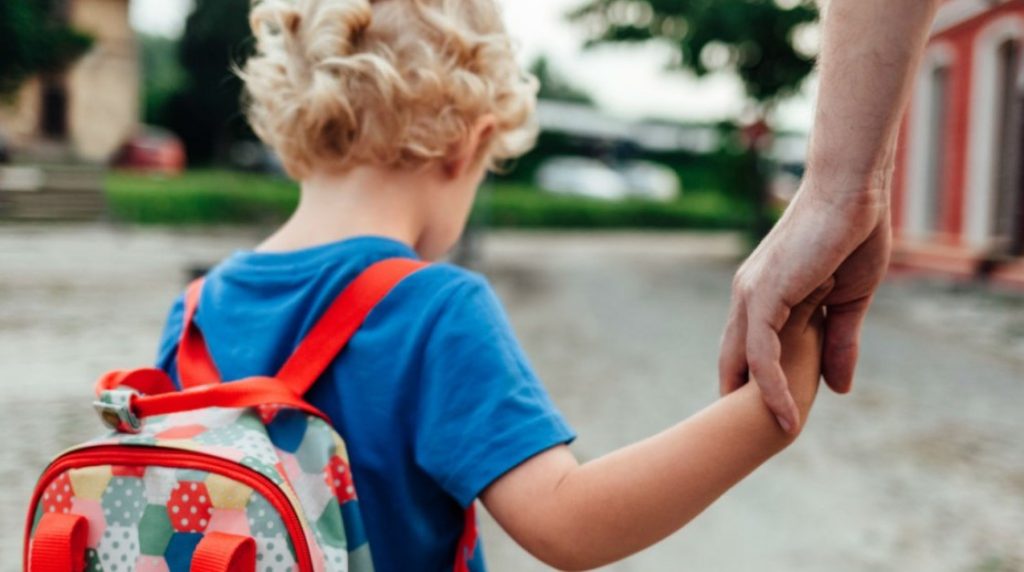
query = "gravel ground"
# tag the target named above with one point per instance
(922, 469)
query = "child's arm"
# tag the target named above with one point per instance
(575, 516)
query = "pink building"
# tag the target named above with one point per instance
(958, 196)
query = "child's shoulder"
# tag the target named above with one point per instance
(445, 286)
(445, 278)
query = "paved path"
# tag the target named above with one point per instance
(922, 469)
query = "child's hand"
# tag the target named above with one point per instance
(801, 340)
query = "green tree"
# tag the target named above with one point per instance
(163, 76)
(755, 39)
(34, 38)
(206, 112)
(554, 86)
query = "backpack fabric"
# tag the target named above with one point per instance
(216, 477)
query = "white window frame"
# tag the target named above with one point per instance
(919, 164)
(982, 152)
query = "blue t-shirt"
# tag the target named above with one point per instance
(433, 395)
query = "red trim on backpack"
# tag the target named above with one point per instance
(145, 381)
(127, 456)
(58, 544)
(220, 552)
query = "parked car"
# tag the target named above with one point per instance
(651, 181)
(581, 176)
(153, 150)
(586, 177)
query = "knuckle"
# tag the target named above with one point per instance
(740, 283)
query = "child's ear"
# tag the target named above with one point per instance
(471, 149)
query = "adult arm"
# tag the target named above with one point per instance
(838, 224)
(575, 516)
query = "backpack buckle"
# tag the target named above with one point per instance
(115, 409)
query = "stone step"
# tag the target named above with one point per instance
(52, 192)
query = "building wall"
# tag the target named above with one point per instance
(102, 87)
(19, 121)
(962, 43)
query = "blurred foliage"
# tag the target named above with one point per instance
(34, 38)
(200, 197)
(554, 86)
(162, 79)
(518, 206)
(206, 111)
(755, 39)
(225, 197)
(721, 171)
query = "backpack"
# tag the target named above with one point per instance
(215, 477)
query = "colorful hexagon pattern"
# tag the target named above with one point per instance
(155, 530)
(274, 554)
(180, 549)
(57, 496)
(119, 548)
(90, 482)
(189, 507)
(93, 511)
(338, 477)
(124, 500)
(227, 494)
(151, 518)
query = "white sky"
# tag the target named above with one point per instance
(626, 81)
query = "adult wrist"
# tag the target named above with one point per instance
(845, 187)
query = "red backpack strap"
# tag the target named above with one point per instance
(239, 394)
(221, 552)
(341, 321)
(59, 544)
(195, 366)
(467, 542)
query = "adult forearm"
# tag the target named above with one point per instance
(870, 52)
(620, 504)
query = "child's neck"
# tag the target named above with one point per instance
(363, 201)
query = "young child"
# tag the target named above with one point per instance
(389, 113)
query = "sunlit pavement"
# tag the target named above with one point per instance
(921, 469)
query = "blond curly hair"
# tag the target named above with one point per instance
(397, 83)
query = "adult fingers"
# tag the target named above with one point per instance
(732, 355)
(842, 345)
(764, 356)
(803, 312)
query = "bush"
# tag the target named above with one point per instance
(222, 197)
(526, 207)
(200, 197)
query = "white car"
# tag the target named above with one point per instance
(651, 181)
(581, 176)
(586, 177)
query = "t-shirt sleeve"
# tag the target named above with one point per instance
(482, 411)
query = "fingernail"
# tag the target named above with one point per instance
(786, 426)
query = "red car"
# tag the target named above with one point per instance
(152, 151)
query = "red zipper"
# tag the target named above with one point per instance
(172, 458)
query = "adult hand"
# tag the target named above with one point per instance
(823, 234)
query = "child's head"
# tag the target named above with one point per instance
(338, 84)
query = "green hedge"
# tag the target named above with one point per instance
(221, 197)
(200, 197)
(526, 207)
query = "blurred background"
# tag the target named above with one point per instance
(673, 134)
